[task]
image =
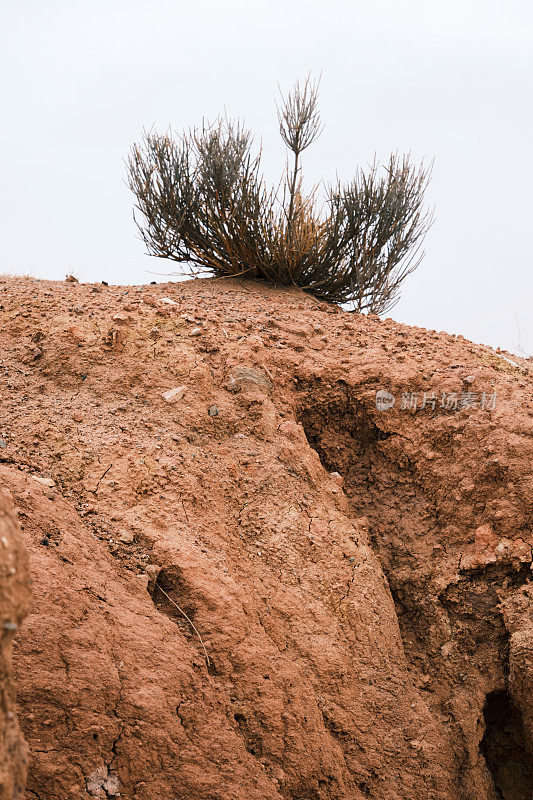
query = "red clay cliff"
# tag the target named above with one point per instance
(249, 581)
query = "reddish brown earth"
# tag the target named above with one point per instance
(14, 604)
(263, 587)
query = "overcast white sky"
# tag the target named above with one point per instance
(450, 80)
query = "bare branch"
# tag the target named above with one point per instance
(298, 117)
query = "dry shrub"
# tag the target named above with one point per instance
(204, 203)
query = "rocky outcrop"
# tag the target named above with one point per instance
(14, 605)
(278, 550)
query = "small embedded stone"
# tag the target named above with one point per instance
(248, 376)
(152, 570)
(173, 395)
(45, 481)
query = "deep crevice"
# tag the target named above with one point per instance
(381, 482)
(503, 747)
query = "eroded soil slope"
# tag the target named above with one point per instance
(250, 582)
(14, 604)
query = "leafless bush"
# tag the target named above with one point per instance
(204, 202)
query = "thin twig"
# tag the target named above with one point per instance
(191, 623)
(94, 491)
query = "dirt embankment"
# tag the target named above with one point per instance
(249, 581)
(14, 605)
